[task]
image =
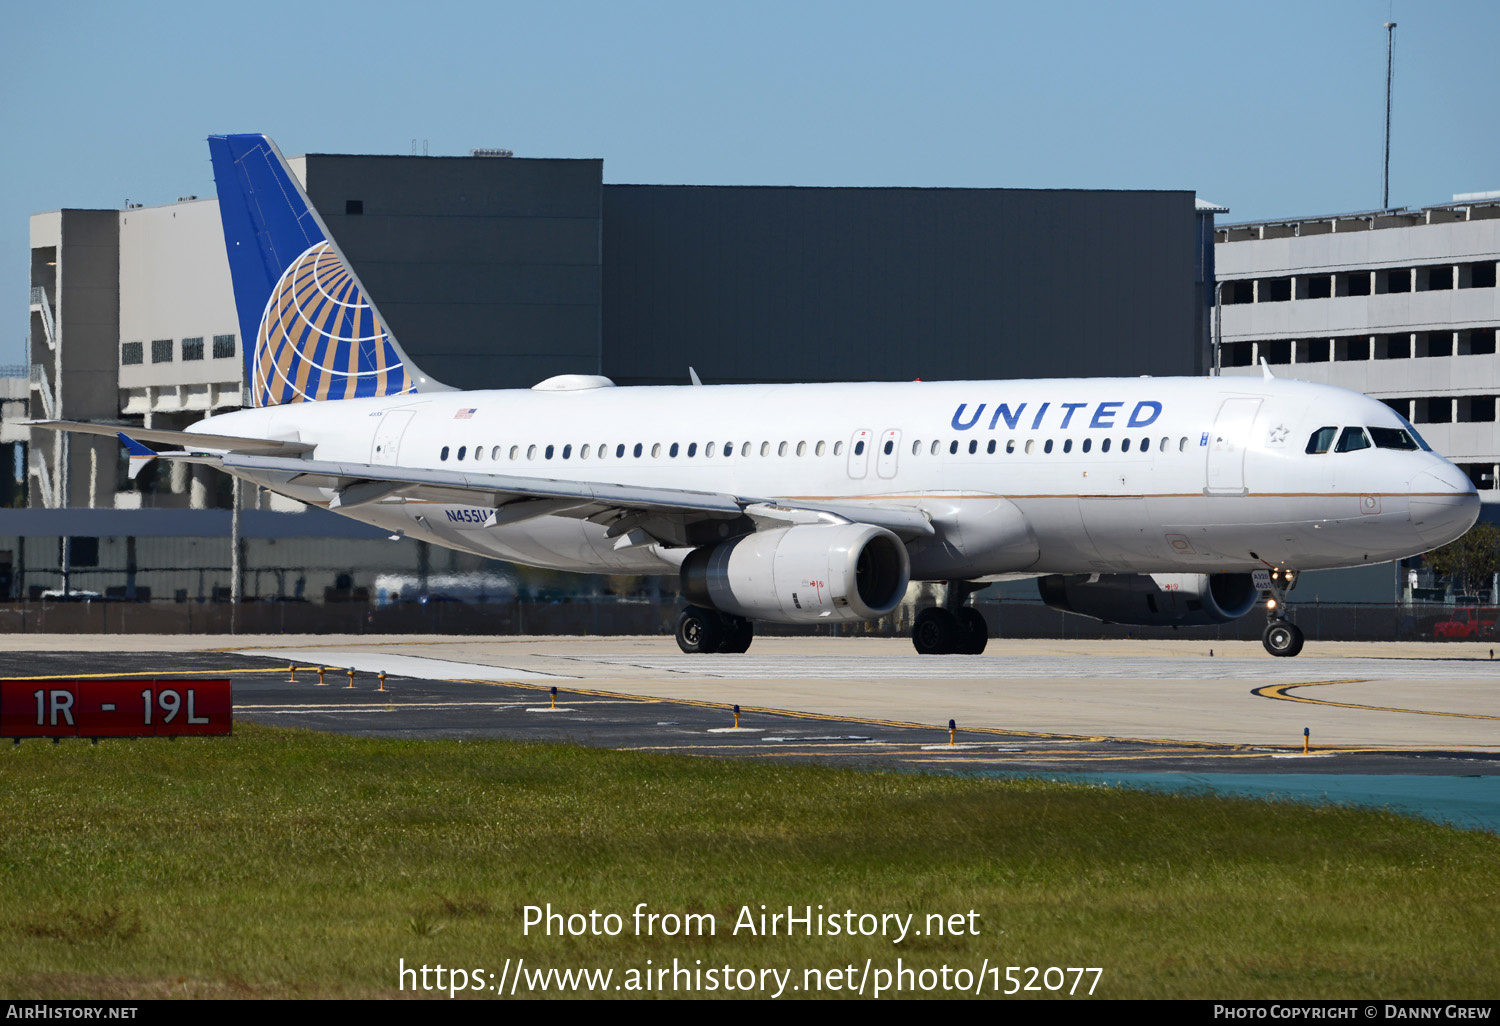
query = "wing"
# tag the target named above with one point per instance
(667, 514)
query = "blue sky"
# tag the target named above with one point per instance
(1273, 108)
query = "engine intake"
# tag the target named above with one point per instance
(1152, 600)
(810, 573)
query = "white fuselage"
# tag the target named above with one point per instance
(1118, 475)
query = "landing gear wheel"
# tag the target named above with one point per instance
(700, 630)
(974, 633)
(935, 632)
(739, 635)
(1282, 638)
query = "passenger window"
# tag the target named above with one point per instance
(822, 447)
(567, 452)
(548, 453)
(781, 449)
(1048, 446)
(916, 448)
(890, 446)
(991, 448)
(656, 451)
(1145, 445)
(801, 448)
(531, 452)
(935, 444)
(583, 452)
(708, 450)
(859, 448)
(444, 454)
(1068, 445)
(1104, 445)
(838, 448)
(1088, 443)
(953, 448)
(1124, 445)
(973, 446)
(1182, 445)
(637, 450)
(479, 452)
(745, 449)
(765, 448)
(672, 452)
(1392, 438)
(495, 453)
(1352, 439)
(1030, 446)
(1321, 440)
(515, 451)
(1010, 445)
(461, 450)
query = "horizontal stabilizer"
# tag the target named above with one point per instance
(193, 441)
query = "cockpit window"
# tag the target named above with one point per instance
(1413, 432)
(1353, 438)
(1322, 439)
(1392, 438)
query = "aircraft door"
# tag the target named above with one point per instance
(388, 436)
(859, 453)
(1227, 443)
(887, 452)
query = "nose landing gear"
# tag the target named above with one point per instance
(1281, 637)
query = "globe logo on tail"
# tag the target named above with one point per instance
(320, 339)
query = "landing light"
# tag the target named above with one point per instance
(1270, 603)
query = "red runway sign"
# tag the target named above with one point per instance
(113, 708)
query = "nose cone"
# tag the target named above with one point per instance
(1444, 504)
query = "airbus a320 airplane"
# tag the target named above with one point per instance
(1133, 500)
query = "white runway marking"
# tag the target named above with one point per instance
(398, 665)
(919, 667)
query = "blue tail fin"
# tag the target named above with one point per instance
(310, 330)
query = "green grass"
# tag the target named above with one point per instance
(285, 863)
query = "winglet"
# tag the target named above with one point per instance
(139, 454)
(1265, 369)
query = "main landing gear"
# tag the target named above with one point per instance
(708, 630)
(952, 628)
(1281, 637)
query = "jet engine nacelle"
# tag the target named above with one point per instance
(1152, 600)
(809, 573)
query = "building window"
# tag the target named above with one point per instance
(223, 346)
(132, 353)
(1276, 290)
(83, 551)
(161, 350)
(192, 348)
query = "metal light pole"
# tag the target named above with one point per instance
(1385, 193)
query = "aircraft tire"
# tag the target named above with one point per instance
(740, 633)
(974, 633)
(1282, 638)
(699, 630)
(935, 632)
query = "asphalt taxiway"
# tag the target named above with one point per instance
(1029, 706)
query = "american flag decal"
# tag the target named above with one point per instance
(465, 414)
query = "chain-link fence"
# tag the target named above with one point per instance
(613, 616)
